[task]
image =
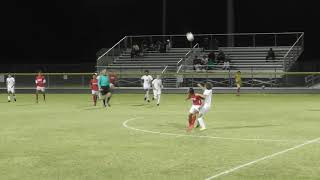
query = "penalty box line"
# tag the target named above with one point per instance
(262, 159)
(237, 167)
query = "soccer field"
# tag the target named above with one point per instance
(248, 137)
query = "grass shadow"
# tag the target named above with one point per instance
(245, 127)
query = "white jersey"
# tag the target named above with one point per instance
(157, 84)
(10, 82)
(208, 94)
(147, 79)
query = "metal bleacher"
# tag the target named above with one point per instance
(179, 58)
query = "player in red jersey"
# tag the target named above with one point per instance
(94, 88)
(40, 86)
(112, 78)
(195, 108)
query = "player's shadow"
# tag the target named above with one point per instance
(26, 104)
(137, 105)
(178, 126)
(92, 108)
(245, 127)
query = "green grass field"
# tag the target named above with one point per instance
(248, 137)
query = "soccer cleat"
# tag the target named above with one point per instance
(148, 101)
(145, 98)
(202, 129)
(15, 100)
(109, 104)
(152, 98)
(9, 101)
(158, 104)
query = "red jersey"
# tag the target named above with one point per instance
(112, 78)
(196, 100)
(94, 84)
(40, 81)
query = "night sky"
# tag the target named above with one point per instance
(70, 31)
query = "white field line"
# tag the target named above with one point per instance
(261, 159)
(125, 124)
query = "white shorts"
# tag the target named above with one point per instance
(204, 109)
(42, 89)
(157, 91)
(10, 90)
(93, 92)
(146, 87)
(111, 85)
(194, 109)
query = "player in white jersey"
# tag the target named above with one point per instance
(157, 86)
(146, 82)
(10, 87)
(207, 95)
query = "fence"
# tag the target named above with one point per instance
(251, 78)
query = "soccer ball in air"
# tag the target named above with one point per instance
(190, 36)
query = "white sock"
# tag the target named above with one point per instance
(9, 99)
(201, 122)
(158, 98)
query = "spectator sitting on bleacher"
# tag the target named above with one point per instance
(152, 47)
(226, 63)
(221, 57)
(211, 60)
(135, 50)
(204, 63)
(270, 56)
(197, 64)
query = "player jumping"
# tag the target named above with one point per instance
(94, 89)
(10, 87)
(146, 81)
(195, 108)
(40, 86)
(157, 86)
(238, 82)
(207, 96)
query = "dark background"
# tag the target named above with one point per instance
(70, 31)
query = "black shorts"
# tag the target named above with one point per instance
(105, 90)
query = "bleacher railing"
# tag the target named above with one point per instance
(293, 53)
(206, 41)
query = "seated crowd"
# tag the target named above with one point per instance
(211, 61)
(156, 46)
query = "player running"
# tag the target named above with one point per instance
(157, 86)
(238, 82)
(11, 87)
(104, 85)
(195, 108)
(94, 89)
(207, 96)
(146, 82)
(40, 86)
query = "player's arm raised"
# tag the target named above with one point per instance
(201, 86)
